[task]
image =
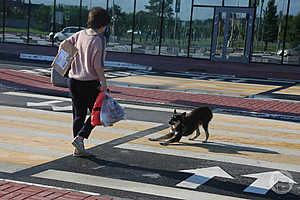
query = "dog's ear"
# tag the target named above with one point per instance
(174, 111)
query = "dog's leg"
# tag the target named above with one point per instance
(197, 134)
(175, 139)
(167, 136)
(205, 127)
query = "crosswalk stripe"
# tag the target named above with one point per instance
(11, 167)
(294, 90)
(257, 122)
(31, 149)
(34, 136)
(256, 128)
(22, 158)
(22, 94)
(119, 130)
(181, 83)
(108, 74)
(208, 156)
(219, 145)
(234, 136)
(130, 186)
(258, 137)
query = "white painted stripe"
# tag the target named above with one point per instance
(263, 137)
(146, 123)
(33, 150)
(110, 76)
(68, 99)
(61, 108)
(256, 127)
(38, 111)
(247, 118)
(35, 70)
(11, 168)
(28, 71)
(130, 186)
(106, 63)
(36, 57)
(69, 125)
(119, 74)
(242, 147)
(43, 70)
(208, 156)
(152, 108)
(36, 120)
(126, 65)
(48, 135)
(37, 96)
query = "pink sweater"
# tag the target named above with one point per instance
(90, 55)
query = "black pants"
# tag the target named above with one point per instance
(84, 94)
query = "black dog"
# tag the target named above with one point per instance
(185, 124)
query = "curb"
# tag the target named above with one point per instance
(111, 64)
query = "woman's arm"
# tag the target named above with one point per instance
(101, 76)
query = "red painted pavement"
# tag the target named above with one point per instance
(41, 84)
(21, 191)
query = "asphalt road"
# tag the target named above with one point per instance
(128, 165)
(246, 157)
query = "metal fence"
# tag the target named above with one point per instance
(265, 31)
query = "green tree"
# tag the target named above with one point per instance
(270, 23)
(155, 11)
(296, 40)
(120, 21)
(42, 17)
(155, 6)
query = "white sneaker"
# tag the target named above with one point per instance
(78, 144)
(85, 154)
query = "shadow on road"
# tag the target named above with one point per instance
(217, 147)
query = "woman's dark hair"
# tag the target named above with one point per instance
(98, 17)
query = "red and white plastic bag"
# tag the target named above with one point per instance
(95, 116)
(111, 111)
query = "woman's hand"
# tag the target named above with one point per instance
(102, 88)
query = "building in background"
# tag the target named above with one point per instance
(265, 31)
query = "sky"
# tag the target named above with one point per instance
(127, 5)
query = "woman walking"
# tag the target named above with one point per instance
(86, 71)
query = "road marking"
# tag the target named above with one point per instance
(252, 118)
(32, 137)
(207, 156)
(130, 186)
(61, 108)
(164, 109)
(37, 96)
(11, 168)
(259, 128)
(265, 181)
(61, 99)
(201, 176)
(261, 137)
